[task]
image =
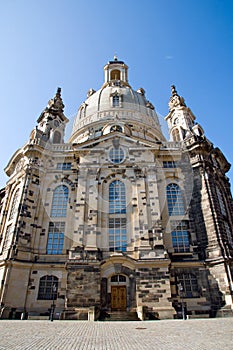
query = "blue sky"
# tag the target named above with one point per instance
(49, 43)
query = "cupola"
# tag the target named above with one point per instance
(116, 106)
(116, 71)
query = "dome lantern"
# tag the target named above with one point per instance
(116, 71)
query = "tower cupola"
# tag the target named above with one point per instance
(180, 118)
(51, 122)
(116, 72)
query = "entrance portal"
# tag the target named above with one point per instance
(118, 297)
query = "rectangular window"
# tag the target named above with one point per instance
(115, 101)
(55, 237)
(117, 234)
(180, 237)
(169, 164)
(229, 234)
(117, 198)
(63, 166)
(189, 284)
(221, 202)
(48, 288)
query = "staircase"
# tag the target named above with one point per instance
(121, 316)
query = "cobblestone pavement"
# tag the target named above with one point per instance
(210, 334)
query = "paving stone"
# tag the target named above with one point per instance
(201, 334)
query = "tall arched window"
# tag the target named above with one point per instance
(59, 202)
(57, 137)
(175, 200)
(48, 288)
(115, 74)
(14, 204)
(117, 216)
(176, 135)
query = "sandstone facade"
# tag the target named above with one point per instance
(117, 218)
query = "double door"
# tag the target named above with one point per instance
(118, 297)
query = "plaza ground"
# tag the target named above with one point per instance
(198, 334)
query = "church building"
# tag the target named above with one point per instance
(118, 221)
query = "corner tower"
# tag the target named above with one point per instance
(180, 119)
(52, 121)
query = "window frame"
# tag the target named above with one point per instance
(168, 164)
(14, 207)
(117, 234)
(64, 166)
(180, 237)
(56, 238)
(175, 200)
(189, 283)
(59, 201)
(7, 238)
(221, 202)
(46, 290)
(116, 155)
(115, 100)
(117, 220)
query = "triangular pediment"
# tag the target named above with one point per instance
(130, 141)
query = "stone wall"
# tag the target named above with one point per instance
(153, 292)
(83, 290)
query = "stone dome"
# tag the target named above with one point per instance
(116, 107)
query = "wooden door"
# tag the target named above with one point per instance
(118, 297)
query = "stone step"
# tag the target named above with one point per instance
(121, 316)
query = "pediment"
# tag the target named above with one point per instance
(116, 137)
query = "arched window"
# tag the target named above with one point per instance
(117, 199)
(175, 200)
(14, 205)
(59, 203)
(115, 74)
(175, 135)
(82, 112)
(117, 216)
(118, 278)
(48, 288)
(57, 137)
(116, 128)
